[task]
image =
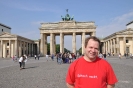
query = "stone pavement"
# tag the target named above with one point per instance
(48, 74)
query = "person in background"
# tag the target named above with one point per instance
(38, 56)
(104, 56)
(47, 57)
(119, 55)
(100, 55)
(15, 58)
(35, 57)
(52, 57)
(90, 71)
(24, 61)
(20, 61)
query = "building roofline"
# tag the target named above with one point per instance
(116, 33)
(129, 23)
(5, 25)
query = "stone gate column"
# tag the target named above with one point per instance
(83, 42)
(61, 43)
(37, 48)
(51, 43)
(93, 34)
(54, 44)
(74, 43)
(42, 42)
(45, 44)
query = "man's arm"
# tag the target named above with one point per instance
(109, 86)
(70, 85)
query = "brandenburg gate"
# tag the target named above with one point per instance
(65, 27)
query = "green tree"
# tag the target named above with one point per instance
(48, 48)
(66, 50)
(57, 48)
(80, 50)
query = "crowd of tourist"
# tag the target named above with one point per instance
(64, 57)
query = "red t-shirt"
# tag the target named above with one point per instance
(96, 74)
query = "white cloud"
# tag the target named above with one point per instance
(115, 24)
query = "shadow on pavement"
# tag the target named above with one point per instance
(31, 67)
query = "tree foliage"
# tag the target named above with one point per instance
(80, 50)
(48, 48)
(66, 50)
(57, 48)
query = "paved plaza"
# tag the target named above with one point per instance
(48, 74)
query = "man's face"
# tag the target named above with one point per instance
(91, 50)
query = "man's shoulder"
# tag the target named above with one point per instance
(102, 61)
(77, 60)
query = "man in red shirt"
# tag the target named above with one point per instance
(91, 71)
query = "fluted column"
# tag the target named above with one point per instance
(51, 43)
(9, 48)
(19, 48)
(114, 46)
(27, 48)
(111, 46)
(54, 44)
(23, 47)
(16, 47)
(37, 47)
(106, 47)
(32, 49)
(132, 45)
(1, 48)
(74, 43)
(118, 45)
(42, 43)
(93, 34)
(45, 44)
(83, 42)
(61, 43)
(104, 44)
(124, 44)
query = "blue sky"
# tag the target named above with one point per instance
(25, 16)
